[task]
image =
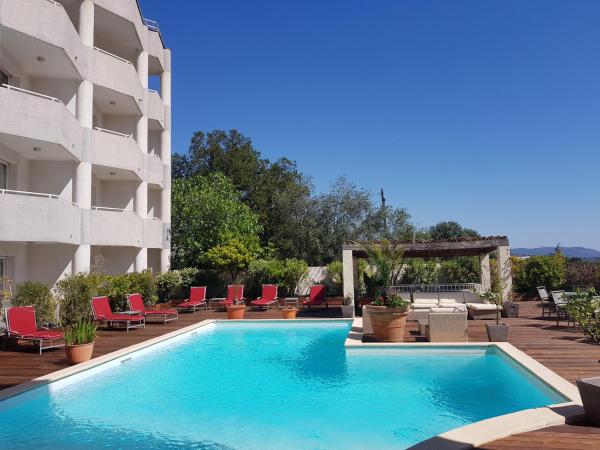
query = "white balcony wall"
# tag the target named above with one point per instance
(45, 21)
(154, 199)
(152, 233)
(115, 74)
(155, 47)
(156, 109)
(64, 90)
(38, 256)
(154, 138)
(116, 228)
(52, 177)
(114, 194)
(40, 119)
(39, 219)
(154, 170)
(18, 169)
(127, 9)
(114, 260)
(111, 150)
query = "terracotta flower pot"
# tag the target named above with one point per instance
(388, 323)
(289, 313)
(79, 353)
(236, 312)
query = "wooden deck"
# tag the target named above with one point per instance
(561, 349)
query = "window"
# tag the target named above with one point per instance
(4, 77)
(2, 268)
(3, 175)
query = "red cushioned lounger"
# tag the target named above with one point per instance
(234, 291)
(136, 303)
(268, 297)
(317, 296)
(21, 324)
(103, 314)
(196, 300)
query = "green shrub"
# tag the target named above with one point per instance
(75, 293)
(81, 332)
(38, 295)
(549, 271)
(167, 284)
(190, 276)
(582, 309)
(334, 277)
(463, 269)
(583, 273)
(145, 284)
(286, 273)
(420, 271)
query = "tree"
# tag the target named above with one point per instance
(444, 231)
(204, 209)
(233, 255)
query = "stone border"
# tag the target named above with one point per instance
(488, 430)
(112, 359)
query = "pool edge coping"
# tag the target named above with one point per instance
(498, 427)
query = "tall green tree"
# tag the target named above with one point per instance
(451, 230)
(204, 209)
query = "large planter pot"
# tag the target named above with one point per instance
(289, 313)
(79, 353)
(388, 323)
(497, 333)
(347, 311)
(589, 389)
(236, 312)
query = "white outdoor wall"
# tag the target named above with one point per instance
(38, 256)
(117, 260)
(117, 194)
(52, 177)
(17, 260)
(154, 198)
(120, 123)
(64, 90)
(18, 169)
(154, 138)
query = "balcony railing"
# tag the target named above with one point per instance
(37, 194)
(448, 287)
(152, 25)
(113, 55)
(116, 133)
(35, 94)
(107, 208)
(55, 3)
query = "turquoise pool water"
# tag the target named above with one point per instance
(274, 386)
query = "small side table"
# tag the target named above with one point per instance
(130, 313)
(288, 301)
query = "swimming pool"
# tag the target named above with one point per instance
(274, 386)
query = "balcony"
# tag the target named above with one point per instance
(42, 27)
(153, 232)
(116, 227)
(116, 74)
(29, 119)
(156, 108)
(38, 217)
(155, 45)
(154, 169)
(118, 150)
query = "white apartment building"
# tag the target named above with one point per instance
(85, 145)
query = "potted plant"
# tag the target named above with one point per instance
(347, 307)
(388, 312)
(79, 341)
(236, 310)
(497, 332)
(289, 312)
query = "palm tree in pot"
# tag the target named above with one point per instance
(388, 312)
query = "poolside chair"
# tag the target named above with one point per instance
(21, 324)
(268, 297)
(560, 306)
(445, 325)
(317, 296)
(136, 303)
(234, 291)
(547, 303)
(103, 313)
(196, 300)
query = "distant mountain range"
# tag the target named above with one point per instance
(570, 252)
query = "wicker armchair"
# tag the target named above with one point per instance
(447, 327)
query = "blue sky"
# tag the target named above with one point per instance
(484, 112)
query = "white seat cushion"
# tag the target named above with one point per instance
(424, 305)
(483, 306)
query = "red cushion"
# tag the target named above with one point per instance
(192, 303)
(43, 334)
(263, 301)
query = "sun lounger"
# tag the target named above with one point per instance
(21, 324)
(317, 296)
(268, 297)
(103, 314)
(234, 292)
(196, 300)
(136, 303)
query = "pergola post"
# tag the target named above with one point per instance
(348, 273)
(484, 268)
(504, 270)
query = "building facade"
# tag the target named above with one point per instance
(85, 144)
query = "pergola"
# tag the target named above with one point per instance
(481, 247)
